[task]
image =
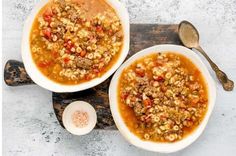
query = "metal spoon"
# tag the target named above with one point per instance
(189, 36)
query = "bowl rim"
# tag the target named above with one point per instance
(157, 146)
(43, 81)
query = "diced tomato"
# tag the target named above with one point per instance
(101, 69)
(163, 88)
(139, 96)
(124, 95)
(110, 32)
(159, 63)
(196, 73)
(99, 29)
(133, 99)
(77, 54)
(55, 54)
(147, 102)
(147, 119)
(163, 117)
(72, 47)
(82, 53)
(79, 21)
(47, 18)
(88, 77)
(96, 70)
(47, 15)
(159, 78)
(47, 33)
(142, 118)
(68, 51)
(68, 44)
(44, 64)
(67, 40)
(66, 59)
(48, 12)
(91, 37)
(140, 72)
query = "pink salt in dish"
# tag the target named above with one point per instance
(79, 118)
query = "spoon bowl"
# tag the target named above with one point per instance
(188, 34)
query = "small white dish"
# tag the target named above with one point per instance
(157, 146)
(46, 83)
(83, 107)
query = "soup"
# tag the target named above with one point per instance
(162, 97)
(73, 41)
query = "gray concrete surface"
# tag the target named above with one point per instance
(29, 124)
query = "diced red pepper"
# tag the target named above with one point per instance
(47, 33)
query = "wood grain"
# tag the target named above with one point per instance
(15, 74)
(141, 37)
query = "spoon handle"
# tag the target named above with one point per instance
(227, 84)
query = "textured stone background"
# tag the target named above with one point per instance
(30, 126)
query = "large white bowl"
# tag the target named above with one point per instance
(155, 146)
(46, 83)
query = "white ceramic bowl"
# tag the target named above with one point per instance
(46, 83)
(79, 106)
(154, 146)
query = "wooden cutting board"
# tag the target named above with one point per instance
(141, 36)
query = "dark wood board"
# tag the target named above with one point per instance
(141, 37)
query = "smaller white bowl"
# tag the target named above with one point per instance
(46, 83)
(157, 146)
(79, 106)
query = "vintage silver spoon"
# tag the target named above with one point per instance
(189, 36)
